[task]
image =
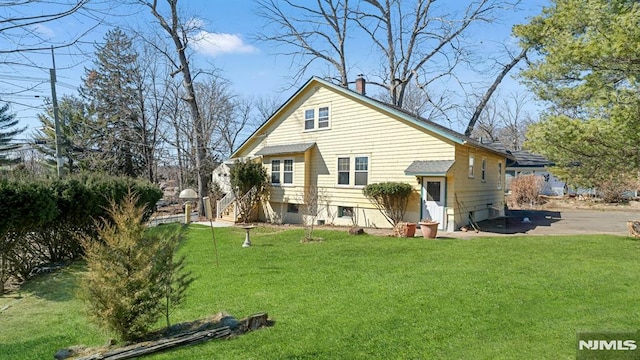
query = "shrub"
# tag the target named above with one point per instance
(132, 277)
(612, 189)
(525, 190)
(244, 176)
(25, 206)
(40, 220)
(390, 198)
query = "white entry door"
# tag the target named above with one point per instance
(433, 199)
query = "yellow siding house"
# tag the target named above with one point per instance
(336, 140)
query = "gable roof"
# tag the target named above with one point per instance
(419, 121)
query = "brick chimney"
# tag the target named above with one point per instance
(360, 84)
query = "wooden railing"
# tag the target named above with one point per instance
(229, 199)
(223, 204)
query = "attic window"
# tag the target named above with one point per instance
(323, 117)
(309, 119)
(316, 119)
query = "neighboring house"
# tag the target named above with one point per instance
(337, 141)
(220, 176)
(526, 163)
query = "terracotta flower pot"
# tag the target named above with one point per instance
(411, 229)
(429, 229)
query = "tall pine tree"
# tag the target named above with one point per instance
(110, 88)
(585, 64)
(8, 132)
(79, 148)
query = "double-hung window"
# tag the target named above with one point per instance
(275, 172)
(361, 171)
(353, 171)
(499, 175)
(282, 172)
(471, 161)
(316, 119)
(344, 170)
(323, 117)
(287, 172)
(484, 170)
(309, 119)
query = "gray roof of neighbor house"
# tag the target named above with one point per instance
(527, 159)
(429, 167)
(521, 158)
(397, 111)
(285, 149)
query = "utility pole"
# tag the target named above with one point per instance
(54, 100)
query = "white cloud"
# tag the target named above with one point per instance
(215, 44)
(43, 31)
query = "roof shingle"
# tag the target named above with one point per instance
(285, 149)
(429, 167)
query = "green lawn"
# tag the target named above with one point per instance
(363, 297)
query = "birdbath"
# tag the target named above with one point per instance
(247, 239)
(188, 194)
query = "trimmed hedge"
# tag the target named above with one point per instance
(390, 198)
(41, 221)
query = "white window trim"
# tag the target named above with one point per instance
(483, 170)
(271, 172)
(368, 170)
(352, 171)
(282, 172)
(293, 172)
(471, 166)
(338, 171)
(316, 116)
(304, 119)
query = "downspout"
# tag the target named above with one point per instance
(421, 198)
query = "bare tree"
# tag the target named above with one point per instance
(179, 32)
(153, 88)
(178, 134)
(504, 120)
(267, 106)
(424, 41)
(217, 112)
(483, 101)
(515, 121)
(309, 33)
(312, 201)
(231, 130)
(421, 42)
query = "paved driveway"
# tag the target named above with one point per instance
(555, 222)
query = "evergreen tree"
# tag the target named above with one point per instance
(79, 150)
(8, 132)
(585, 64)
(110, 88)
(133, 274)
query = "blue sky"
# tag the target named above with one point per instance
(228, 27)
